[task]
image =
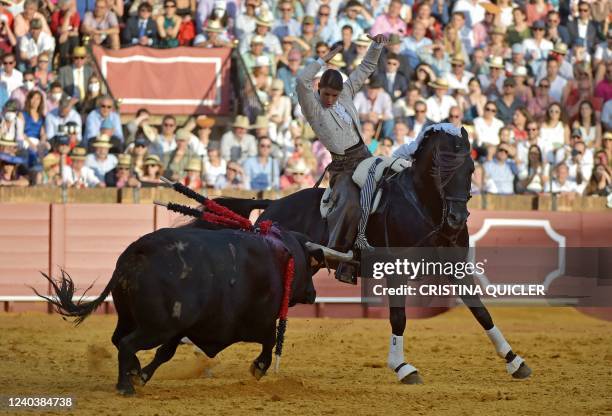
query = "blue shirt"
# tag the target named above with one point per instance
(262, 177)
(32, 128)
(411, 48)
(290, 81)
(94, 121)
(502, 176)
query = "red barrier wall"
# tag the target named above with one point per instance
(86, 239)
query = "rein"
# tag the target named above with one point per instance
(217, 214)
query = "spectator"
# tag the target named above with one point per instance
(262, 172)
(602, 55)
(587, 124)
(463, 32)
(65, 23)
(497, 45)
(142, 29)
(286, 25)
(93, 94)
(62, 115)
(556, 32)
(455, 116)
(487, 127)
(537, 48)
(102, 25)
(539, 104)
(385, 147)
(42, 72)
(121, 176)
(12, 170)
(176, 160)
(395, 83)
(152, 169)
(477, 185)
(22, 21)
(29, 84)
(7, 38)
(493, 83)
(458, 79)
(405, 108)
(356, 16)
(12, 124)
(522, 90)
(233, 178)
(245, 22)
(415, 44)
(168, 26)
(289, 74)
(375, 105)
(78, 175)
(296, 176)
(600, 183)
(557, 82)
(604, 87)
(474, 103)
(212, 37)
(101, 162)
(367, 133)
(214, 167)
(554, 132)
(51, 175)
(193, 174)
(561, 182)
(257, 52)
(580, 90)
(279, 107)
(537, 10)
(584, 27)
(420, 120)
(237, 145)
(139, 153)
(501, 172)
(262, 28)
(520, 119)
(166, 141)
(508, 102)
(439, 104)
(104, 110)
(394, 47)
(54, 96)
(107, 129)
(533, 176)
(12, 77)
(519, 30)
(391, 21)
(74, 78)
(325, 25)
(33, 116)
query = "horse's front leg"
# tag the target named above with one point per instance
(406, 373)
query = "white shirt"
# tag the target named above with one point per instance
(488, 133)
(475, 10)
(535, 51)
(438, 111)
(567, 186)
(14, 81)
(101, 167)
(78, 75)
(459, 84)
(212, 173)
(582, 29)
(86, 178)
(603, 52)
(556, 88)
(32, 47)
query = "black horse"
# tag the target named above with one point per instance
(425, 205)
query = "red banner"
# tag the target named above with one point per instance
(168, 81)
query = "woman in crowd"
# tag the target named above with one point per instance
(600, 183)
(233, 178)
(193, 174)
(588, 125)
(497, 45)
(168, 26)
(423, 76)
(520, 119)
(33, 116)
(12, 124)
(534, 176)
(279, 107)
(475, 101)
(554, 133)
(152, 170)
(42, 73)
(94, 91)
(214, 167)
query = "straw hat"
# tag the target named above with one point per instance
(496, 62)
(78, 153)
(607, 135)
(490, 7)
(337, 61)
(194, 165)
(102, 141)
(363, 40)
(298, 167)
(520, 71)
(264, 20)
(213, 26)
(498, 30)
(458, 59)
(241, 122)
(152, 160)
(560, 48)
(394, 39)
(261, 122)
(440, 83)
(50, 160)
(204, 122)
(183, 135)
(6, 142)
(257, 39)
(278, 84)
(125, 161)
(79, 52)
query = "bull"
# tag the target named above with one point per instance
(216, 287)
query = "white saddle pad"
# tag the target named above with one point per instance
(360, 175)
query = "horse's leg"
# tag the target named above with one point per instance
(406, 373)
(515, 364)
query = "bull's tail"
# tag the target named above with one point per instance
(64, 303)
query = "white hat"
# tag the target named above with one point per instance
(262, 60)
(520, 71)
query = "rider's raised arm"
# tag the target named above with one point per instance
(364, 69)
(309, 102)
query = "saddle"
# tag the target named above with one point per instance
(386, 166)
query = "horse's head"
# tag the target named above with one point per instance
(444, 168)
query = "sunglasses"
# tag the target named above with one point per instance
(457, 65)
(453, 116)
(286, 10)
(78, 57)
(419, 111)
(533, 129)
(392, 63)
(264, 145)
(538, 28)
(492, 110)
(554, 111)
(9, 62)
(106, 106)
(323, 14)
(544, 86)
(584, 10)
(169, 124)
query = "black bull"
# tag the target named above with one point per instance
(215, 287)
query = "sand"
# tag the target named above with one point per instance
(329, 367)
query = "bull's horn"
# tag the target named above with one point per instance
(329, 253)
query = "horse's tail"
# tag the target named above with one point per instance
(63, 301)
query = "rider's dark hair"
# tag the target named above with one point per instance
(331, 79)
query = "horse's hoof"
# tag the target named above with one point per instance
(126, 390)
(413, 378)
(139, 379)
(523, 372)
(256, 371)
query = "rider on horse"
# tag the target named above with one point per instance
(334, 118)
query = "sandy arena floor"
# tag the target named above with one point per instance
(330, 366)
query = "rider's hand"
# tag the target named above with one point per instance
(380, 38)
(329, 55)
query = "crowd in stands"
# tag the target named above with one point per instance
(531, 80)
